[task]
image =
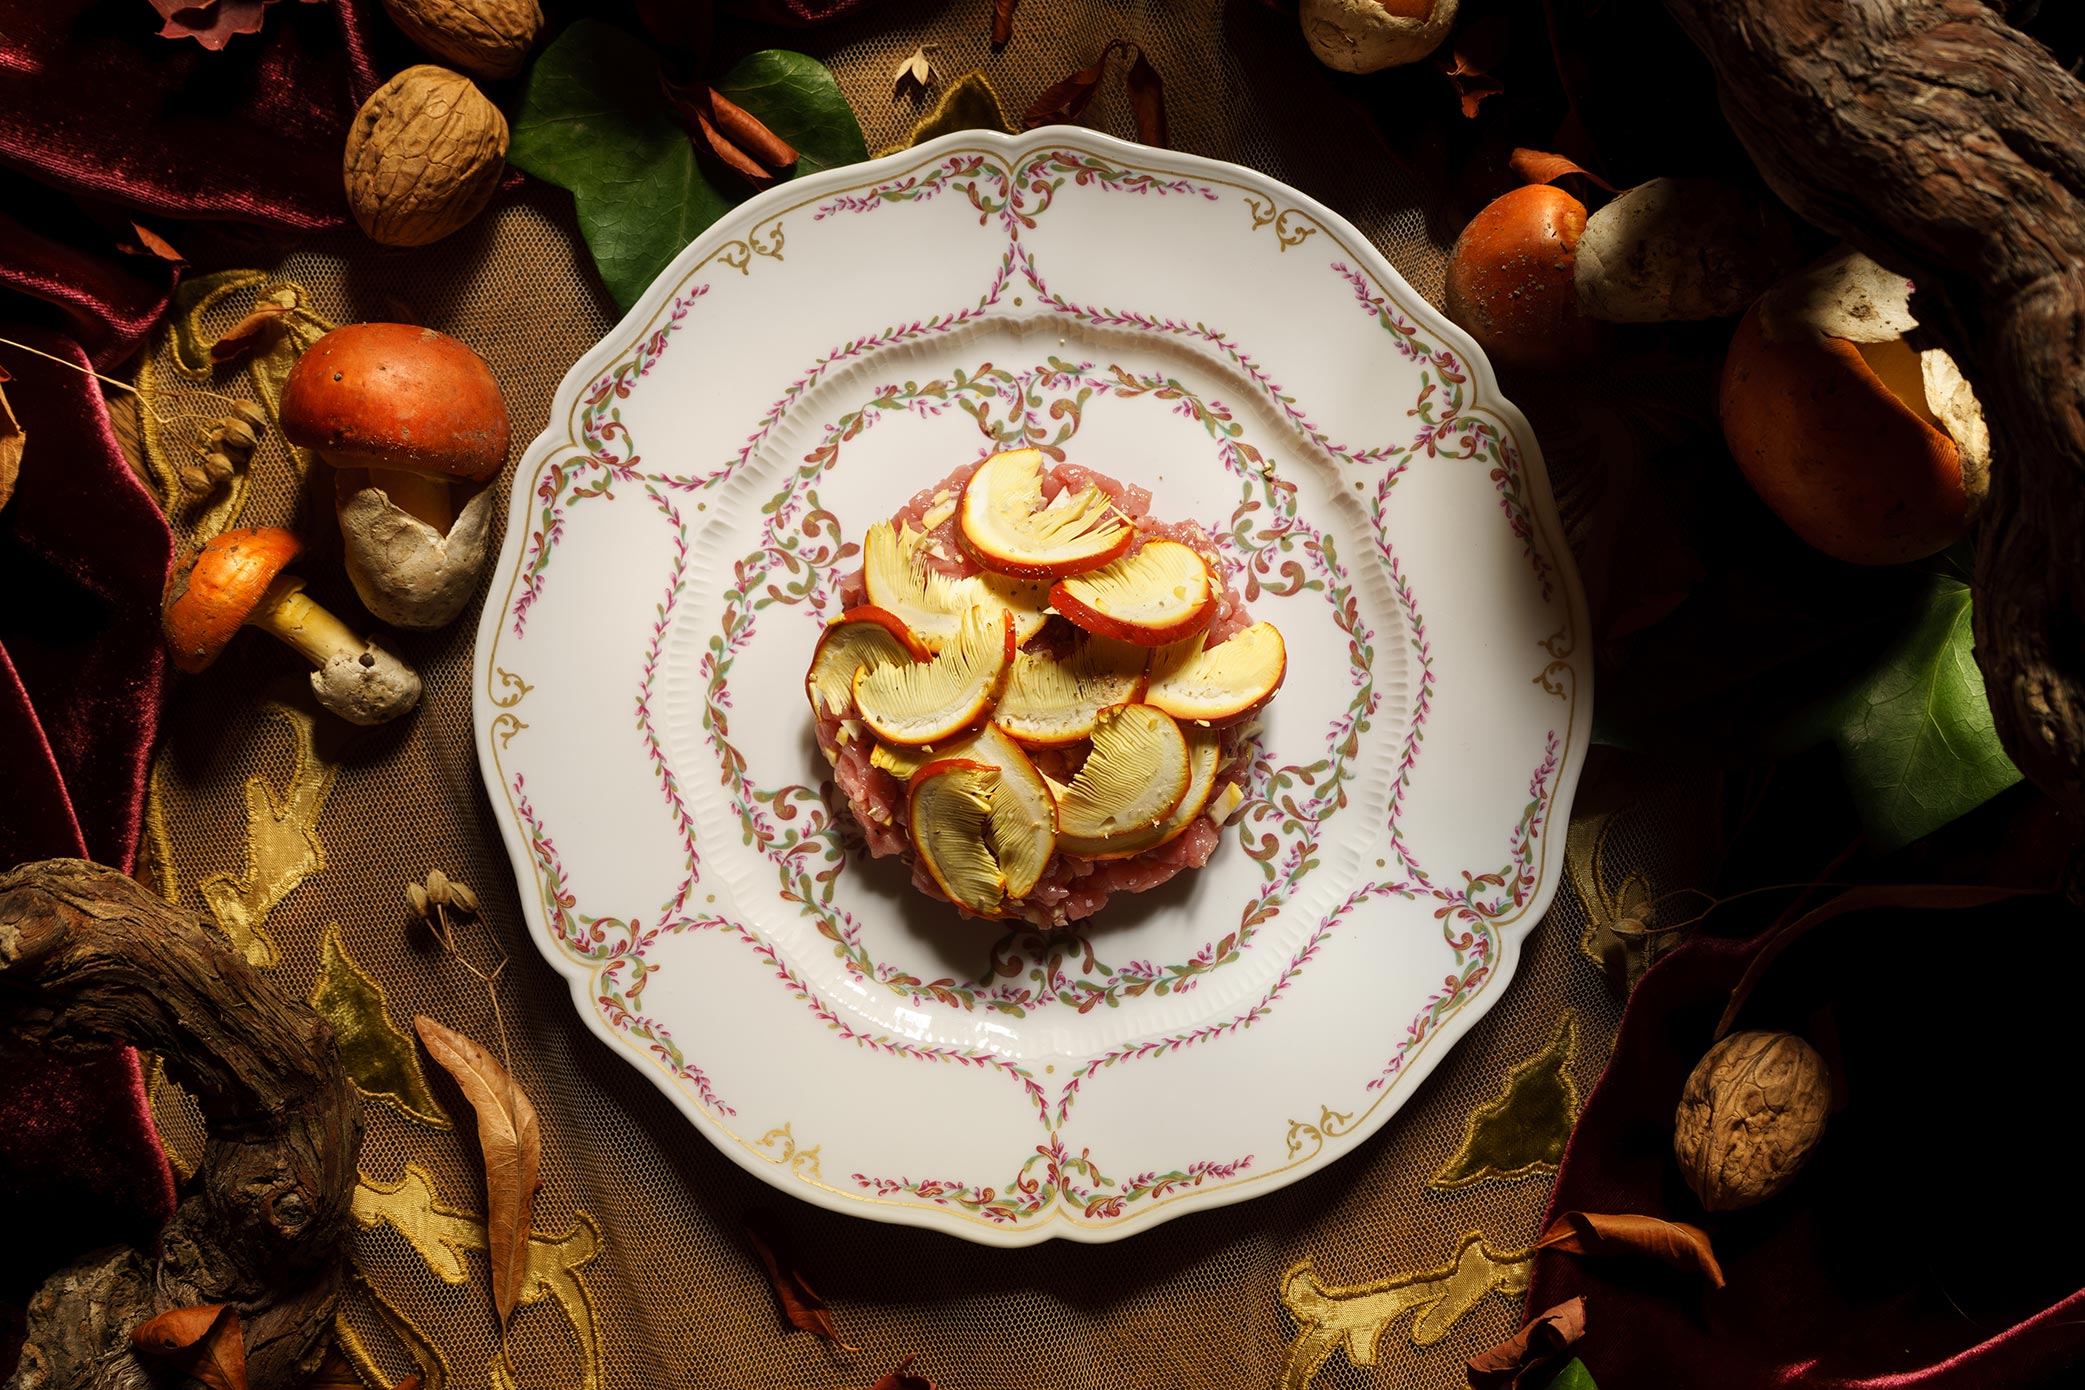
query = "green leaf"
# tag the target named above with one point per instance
(593, 120)
(1574, 1376)
(1916, 738)
(797, 98)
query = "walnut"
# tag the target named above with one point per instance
(423, 157)
(1752, 1111)
(486, 38)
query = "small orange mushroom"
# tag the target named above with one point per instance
(405, 415)
(239, 579)
(1511, 276)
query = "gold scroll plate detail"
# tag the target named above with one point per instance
(1522, 1130)
(1360, 1316)
(443, 1235)
(380, 1060)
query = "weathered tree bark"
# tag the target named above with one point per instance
(1951, 147)
(89, 960)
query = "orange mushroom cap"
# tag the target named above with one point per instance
(1511, 279)
(393, 395)
(215, 588)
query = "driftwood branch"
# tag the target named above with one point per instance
(1950, 147)
(90, 960)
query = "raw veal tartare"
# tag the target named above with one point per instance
(1035, 692)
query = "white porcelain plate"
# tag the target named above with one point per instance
(676, 539)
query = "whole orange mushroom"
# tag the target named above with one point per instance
(415, 407)
(1511, 279)
(414, 425)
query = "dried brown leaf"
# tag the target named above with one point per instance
(511, 1142)
(1147, 97)
(203, 1342)
(1536, 166)
(150, 243)
(901, 1379)
(1528, 1350)
(255, 331)
(335, 1373)
(1067, 99)
(731, 154)
(1467, 61)
(1002, 21)
(213, 22)
(746, 130)
(804, 1309)
(12, 440)
(1685, 1248)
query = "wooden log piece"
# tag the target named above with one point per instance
(1950, 147)
(90, 960)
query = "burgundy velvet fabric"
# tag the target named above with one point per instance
(50, 251)
(1932, 1243)
(95, 103)
(84, 555)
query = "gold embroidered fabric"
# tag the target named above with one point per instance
(298, 837)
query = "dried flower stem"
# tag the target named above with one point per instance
(122, 385)
(438, 894)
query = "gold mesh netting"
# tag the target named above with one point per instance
(673, 1296)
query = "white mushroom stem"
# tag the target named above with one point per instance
(357, 678)
(418, 495)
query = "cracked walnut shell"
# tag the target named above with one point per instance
(423, 156)
(1751, 1113)
(486, 38)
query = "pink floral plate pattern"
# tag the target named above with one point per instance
(676, 538)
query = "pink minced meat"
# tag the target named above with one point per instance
(1072, 888)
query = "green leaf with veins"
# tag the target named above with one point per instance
(1915, 737)
(593, 120)
(1573, 1376)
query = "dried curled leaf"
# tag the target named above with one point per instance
(256, 330)
(511, 1142)
(1067, 99)
(146, 242)
(203, 1342)
(213, 22)
(804, 1309)
(1521, 1358)
(1468, 61)
(1002, 21)
(1538, 166)
(899, 1378)
(1685, 1248)
(12, 439)
(1147, 97)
